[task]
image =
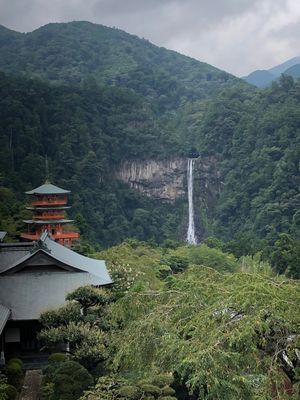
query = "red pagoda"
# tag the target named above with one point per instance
(49, 203)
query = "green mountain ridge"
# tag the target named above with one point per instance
(80, 52)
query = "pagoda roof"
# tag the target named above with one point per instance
(48, 221)
(48, 188)
(51, 207)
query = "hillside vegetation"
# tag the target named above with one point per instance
(82, 52)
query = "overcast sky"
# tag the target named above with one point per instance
(238, 36)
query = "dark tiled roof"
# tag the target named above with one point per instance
(29, 293)
(2, 235)
(4, 315)
(12, 252)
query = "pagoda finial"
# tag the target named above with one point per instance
(47, 170)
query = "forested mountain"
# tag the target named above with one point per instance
(84, 134)
(257, 136)
(106, 96)
(82, 52)
(88, 98)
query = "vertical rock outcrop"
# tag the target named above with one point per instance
(163, 180)
(167, 180)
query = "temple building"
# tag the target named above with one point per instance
(37, 274)
(49, 204)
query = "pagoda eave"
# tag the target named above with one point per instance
(51, 207)
(47, 189)
(46, 222)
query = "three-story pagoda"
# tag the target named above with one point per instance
(49, 203)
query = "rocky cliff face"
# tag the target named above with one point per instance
(157, 179)
(167, 180)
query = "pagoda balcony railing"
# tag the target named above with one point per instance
(58, 202)
(49, 217)
(30, 236)
(64, 234)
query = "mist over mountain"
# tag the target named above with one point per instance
(263, 78)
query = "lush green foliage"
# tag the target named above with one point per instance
(220, 328)
(257, 136)
(3, 385)
(89, 296)
(81, 324)
(10, 392)
(224, 334)
(81, 52)
(68, 380)
(16, 361)
(14, 374)
(116, 387)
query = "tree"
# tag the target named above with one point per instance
(89, 296)
(226, 335)
(80, 325)
(285, 256)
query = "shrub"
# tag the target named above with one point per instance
(70, 380)
(58, 357)
(47, 391)
(10, 392)
(16, 360)
(162, 380)
(167, 391)
(167, 398)
(151, 390)
(14, 374)
(3, 384)
(99, 370)
(131, 392)
(177, 263)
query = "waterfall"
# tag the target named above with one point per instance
(191, 237)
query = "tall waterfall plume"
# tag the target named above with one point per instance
(191, 236)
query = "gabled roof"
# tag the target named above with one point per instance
(12, 252)
(48, 188)
(4, 315)
(64, 255)
(2, 235)
(27, 294)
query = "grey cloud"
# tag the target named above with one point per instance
(235, 35)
